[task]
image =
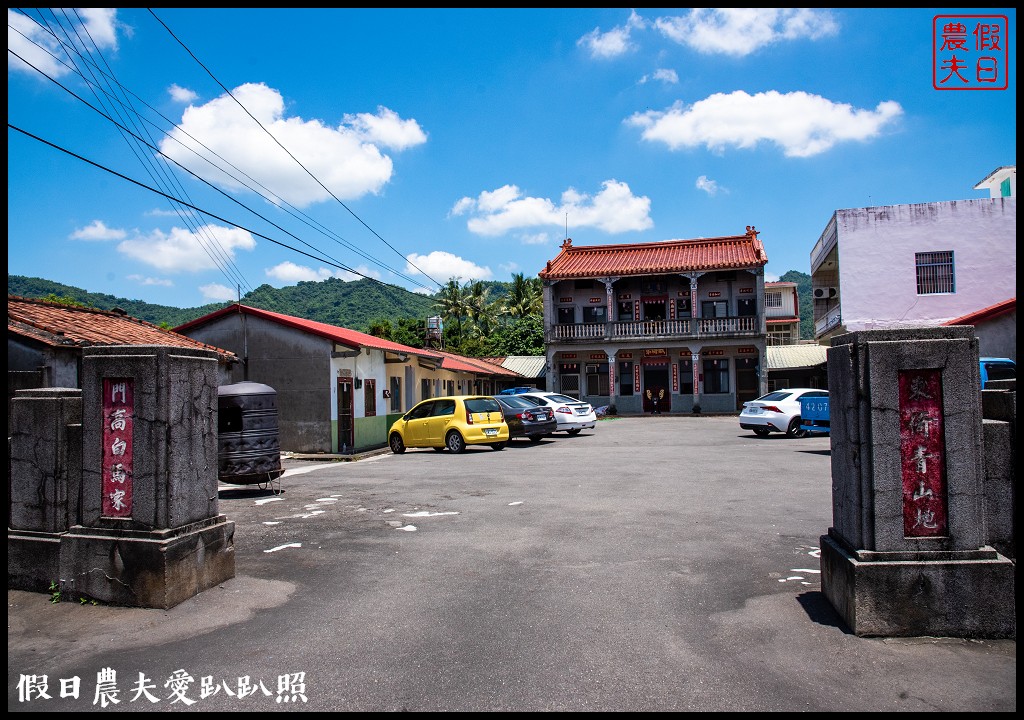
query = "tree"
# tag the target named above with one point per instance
(521, 336)
(525, 297)
(452, 304)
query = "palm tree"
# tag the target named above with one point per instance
(525, 297)
(452, 304)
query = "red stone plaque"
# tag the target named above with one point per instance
(923, 453)
(118, 421)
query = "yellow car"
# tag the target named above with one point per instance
(451, 422)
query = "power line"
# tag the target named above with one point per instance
(323, 255)
(271, 135)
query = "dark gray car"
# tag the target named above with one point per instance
(525, 418)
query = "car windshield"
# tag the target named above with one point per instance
(515, 401)
(482, 405)
(563, 398)
(776, 396)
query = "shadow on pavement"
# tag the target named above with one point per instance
(820, 610)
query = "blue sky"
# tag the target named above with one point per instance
(413, 146)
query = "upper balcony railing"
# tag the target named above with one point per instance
(687, 327)
(831, 319)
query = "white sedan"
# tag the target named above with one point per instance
(573, 415)
(777, 411)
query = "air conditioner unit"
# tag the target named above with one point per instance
(824, 293)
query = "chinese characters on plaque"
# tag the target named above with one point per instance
(118, 420)
(922, 453)
(970, 52)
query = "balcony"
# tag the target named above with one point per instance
(747, 326)
(832, 319)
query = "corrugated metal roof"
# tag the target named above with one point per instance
(529, 366)
(60, 325)
(795, 356)
(722, 253)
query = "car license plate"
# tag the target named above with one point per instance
(490, 432)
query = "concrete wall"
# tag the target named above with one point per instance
(998, 337)
(877, 267)
(295, 363)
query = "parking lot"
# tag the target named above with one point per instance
(653, 563)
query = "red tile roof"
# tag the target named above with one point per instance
(985, 314)
(669, 256)
(354, 339)
(60, 325)
(344, 336)
(475, 365)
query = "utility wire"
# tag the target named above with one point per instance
(171, 197)
(272, 137)
(266, 194)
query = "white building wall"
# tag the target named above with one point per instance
(877, 270)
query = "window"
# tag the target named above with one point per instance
(396, 394)
(716, 376)
(683, 307)
(443, 407)
(625, 311)
(370, 398)
(780, 337)
(934, 272)
(424, 389)
(746, 307)
(421, 411)
(625, 378)
(773, 299)
(714, 309)
(597, 379)
(594, 314)
(566, 315)
(686, 376)
(569, 377)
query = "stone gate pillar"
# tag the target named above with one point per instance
(150, 533)
(907, 554)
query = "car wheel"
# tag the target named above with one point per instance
(455, 442)
(577, 431)
(396, 443)
(794, 430)
(761, 431)
(498, 446)
(535, 438)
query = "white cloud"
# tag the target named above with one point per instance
(345, 159)
(665, 75)
(387, 129)
(707, 185)
(443, 266)
(615, 209)
(613, 43)
(142, 280)
(180, 94)
(741, 31)
(181, 249)
(800, 123)
(215, 292)
(509, 267)
(97, 230)
(289, 273)
(540, 238)
(40, 48)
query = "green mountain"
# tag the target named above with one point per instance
(803, 293)
(348, 304)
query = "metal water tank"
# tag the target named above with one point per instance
(248, 444)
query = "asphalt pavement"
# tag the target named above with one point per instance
(652, 564)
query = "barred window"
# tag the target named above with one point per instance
(935, 272)
(773, 299)
(370, 397)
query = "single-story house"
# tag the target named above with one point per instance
(801, 365)
(45, 341)
(338, 390)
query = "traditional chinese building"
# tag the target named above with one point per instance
(679, 322)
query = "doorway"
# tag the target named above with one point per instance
(345, 412)
(656, 394)
(748, 384)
